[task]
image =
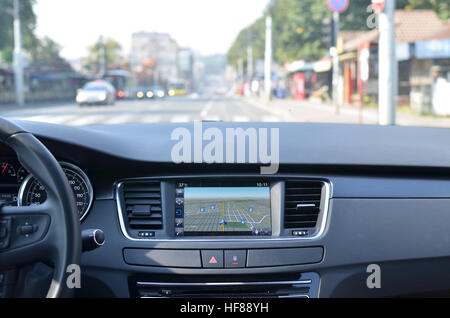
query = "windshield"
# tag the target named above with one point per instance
(321, 61)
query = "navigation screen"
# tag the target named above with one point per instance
(224, 210)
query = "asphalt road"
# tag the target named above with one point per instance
(175, 109)
(191, 108)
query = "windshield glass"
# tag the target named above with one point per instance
(326, 61)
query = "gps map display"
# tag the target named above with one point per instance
(204, 211)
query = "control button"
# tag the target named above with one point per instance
(179, 202)
(146, 234)
(5, 230)
(299, 233)
(235, 258)
(179, 222)
(26, 229)
(179, 213)
(212, 258)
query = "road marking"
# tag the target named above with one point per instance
(270, 118)
(149, 118)
(206, 109)
(180, 119)
(212, 118)
(240, 119)
(53, 119)
(118, 119)
(88, 120)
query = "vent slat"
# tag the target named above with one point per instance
(142, 202)
(307, 195)
(141, 189)
(137, 195)
(145, 224)
(294, 203)
(298, 194)
(155, 216)
(302, 211)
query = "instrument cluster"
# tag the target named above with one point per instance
(19, 187)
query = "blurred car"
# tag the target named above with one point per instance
(177, 89)
(96, 92)
(144, 92)
(158, 91)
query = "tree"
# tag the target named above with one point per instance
(290, 15)
(297, 27)
(46, 50)
(28, 25)
(252, 35)
(441, 7)
(112, 50)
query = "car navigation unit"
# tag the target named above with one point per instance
(222, 209)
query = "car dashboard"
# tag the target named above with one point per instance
(338, 205)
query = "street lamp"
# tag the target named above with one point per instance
(250, 56)
(268, 54)
(17, 58)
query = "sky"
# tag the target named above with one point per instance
(226, 192)
(207, 26)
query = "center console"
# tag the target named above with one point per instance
(220, 226)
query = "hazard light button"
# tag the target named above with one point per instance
(212, 258)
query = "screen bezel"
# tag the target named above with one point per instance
(219, 184)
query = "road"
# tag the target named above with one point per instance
(239, 214)
(191, 108)
(176, 109)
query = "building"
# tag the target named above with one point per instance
(186, 67)
(154, 57)
(423, 55)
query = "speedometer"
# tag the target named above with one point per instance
(32, 192)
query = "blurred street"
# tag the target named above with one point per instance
(179, 109)
(188, 109)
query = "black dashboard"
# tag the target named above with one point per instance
(338, 204)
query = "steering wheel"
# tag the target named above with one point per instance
(49, 232)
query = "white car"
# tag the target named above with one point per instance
(96, 92)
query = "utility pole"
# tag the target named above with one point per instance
(102, 58)
(18, 67)
(387, 61)
(241, 68)
(250, 62)
(335, 54)
(268, 57)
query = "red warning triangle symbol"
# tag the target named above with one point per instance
(213, 260)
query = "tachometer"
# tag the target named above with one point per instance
(32, 192)
(22, 173)
(7, 173)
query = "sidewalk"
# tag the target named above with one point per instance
(306, 111)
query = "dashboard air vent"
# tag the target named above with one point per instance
(142, 203)
(302, 203)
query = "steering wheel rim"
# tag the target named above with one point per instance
(57, 237)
